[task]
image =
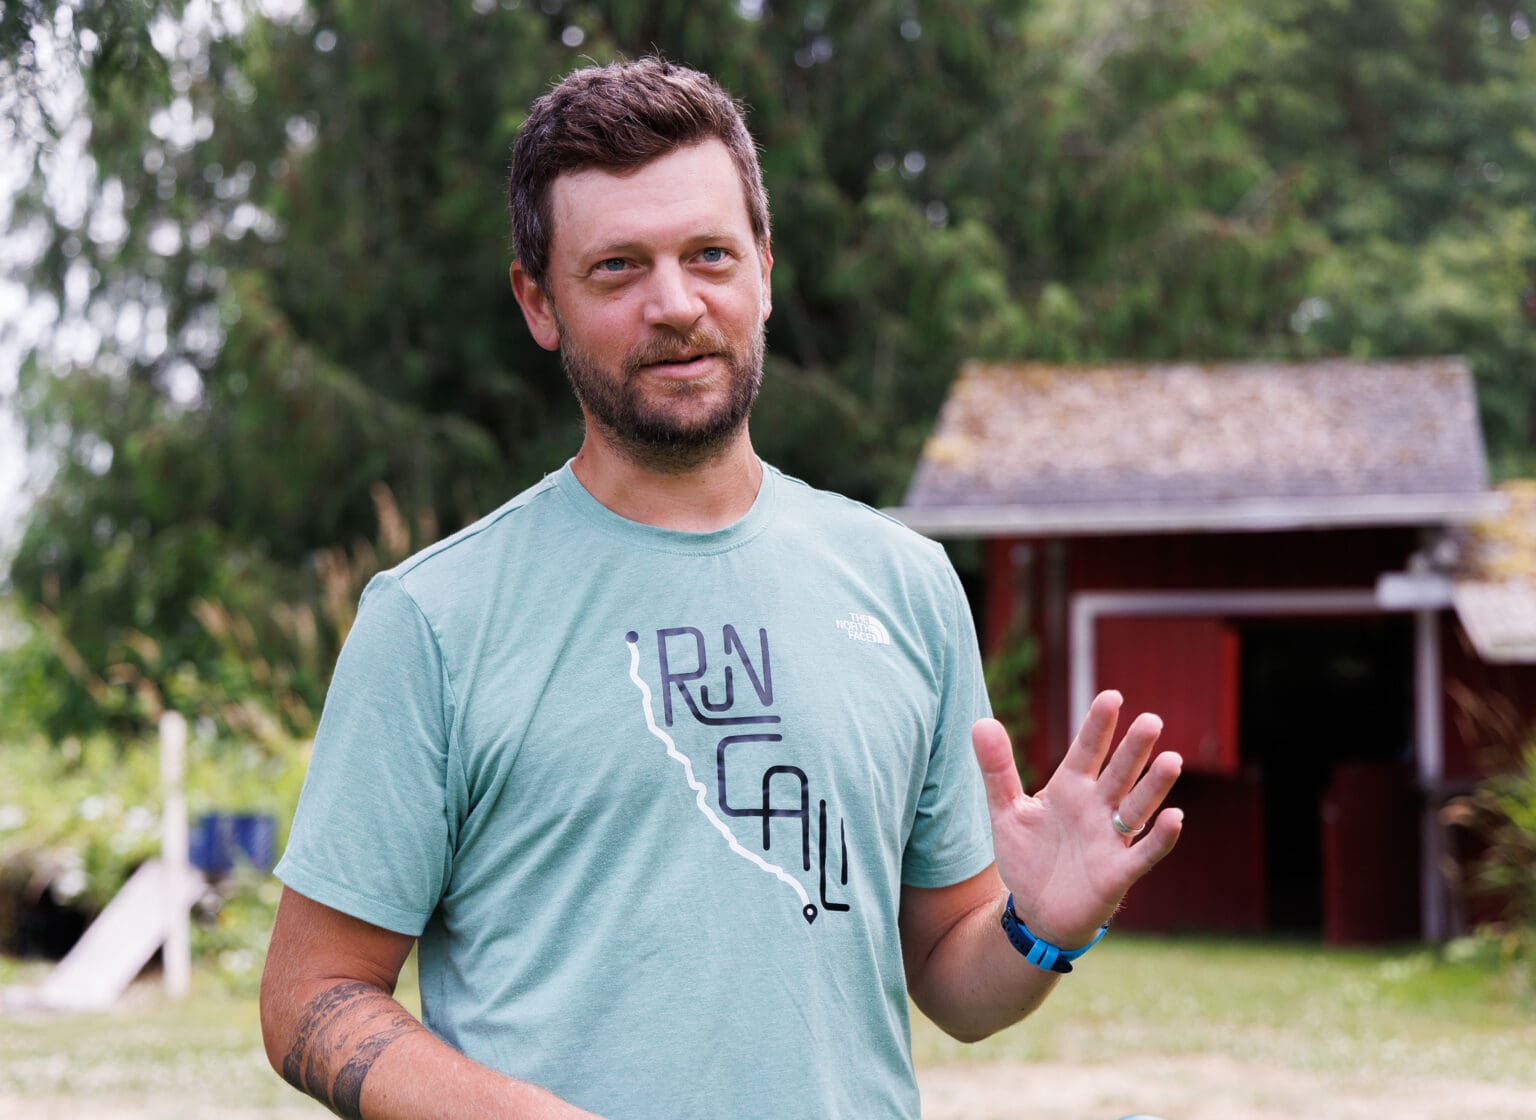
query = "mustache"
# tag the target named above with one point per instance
(703, 340)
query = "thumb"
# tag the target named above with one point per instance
(998, 772)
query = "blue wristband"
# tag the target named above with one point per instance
(1042, 954)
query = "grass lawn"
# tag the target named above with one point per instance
(1295, 1005)
(1376, 1014)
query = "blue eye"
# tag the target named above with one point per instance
(712, 255)
(612, 264)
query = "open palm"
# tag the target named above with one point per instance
(1059, 851)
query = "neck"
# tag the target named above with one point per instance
(698, 499)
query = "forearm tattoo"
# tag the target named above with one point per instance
(343, 1029)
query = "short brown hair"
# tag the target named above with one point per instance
(620, 117)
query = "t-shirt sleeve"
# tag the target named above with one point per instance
(370, 837)
(951, 838)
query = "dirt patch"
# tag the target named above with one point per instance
(1202, 1088)
(1199, 1088)
(159, 1108)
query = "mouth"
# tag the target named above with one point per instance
(681, 365)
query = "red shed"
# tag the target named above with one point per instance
(1283, 562)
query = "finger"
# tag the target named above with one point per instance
(1130, 757)
(998, 772)
(1086, 754)
(1157, 843)
(1138, 805)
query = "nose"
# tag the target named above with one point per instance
(672, 297)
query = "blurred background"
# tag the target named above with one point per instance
(257, 341)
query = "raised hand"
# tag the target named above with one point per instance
(1061, 851)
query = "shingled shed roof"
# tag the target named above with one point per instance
(1495, 588)
(1044, 449)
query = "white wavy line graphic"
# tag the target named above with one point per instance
(699, 791)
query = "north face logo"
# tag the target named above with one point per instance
(864, 628)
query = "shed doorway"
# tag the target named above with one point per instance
(1326, 718)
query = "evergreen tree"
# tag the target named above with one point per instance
(280, 265)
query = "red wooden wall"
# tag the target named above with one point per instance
(1370, 855)
(1029, 582)
(1185, 670)
(1369, 832)
(1208, 887)
(1488, 708)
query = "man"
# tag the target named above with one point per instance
(666, 763)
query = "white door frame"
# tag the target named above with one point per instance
(1087, 607)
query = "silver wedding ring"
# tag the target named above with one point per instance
(1122, 828)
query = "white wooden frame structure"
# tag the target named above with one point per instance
(1087, 607)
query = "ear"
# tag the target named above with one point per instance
(538, 310)
(766, 254)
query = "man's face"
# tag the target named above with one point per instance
(656, 295)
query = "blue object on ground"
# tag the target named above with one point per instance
(218, 842)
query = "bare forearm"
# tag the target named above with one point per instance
(356, 1050)
(974, 983)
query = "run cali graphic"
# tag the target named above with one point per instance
(739, 719)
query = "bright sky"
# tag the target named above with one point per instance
(13, 460)
(24, 321)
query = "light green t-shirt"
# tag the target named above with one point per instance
(648, 797)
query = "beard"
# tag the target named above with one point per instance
(660, 426)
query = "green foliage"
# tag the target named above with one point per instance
(85, 814)
(251, 663)
(231, 939)
(1501, 813)
(1008, 671)
(289, 267)
(112, 36)
(76, 820)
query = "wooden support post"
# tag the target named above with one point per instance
(176, 953)
(1428, 716)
